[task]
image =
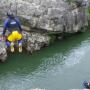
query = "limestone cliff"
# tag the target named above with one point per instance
(58, 16)
(49, 15)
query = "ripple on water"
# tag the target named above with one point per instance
(50, 66)
(77, 54)
(60, 61)
(15, 82)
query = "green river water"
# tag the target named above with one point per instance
(64, 65)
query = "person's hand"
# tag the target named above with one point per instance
(0, 37)
(3, 37)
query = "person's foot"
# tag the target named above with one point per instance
(12, 47)
(20, 47)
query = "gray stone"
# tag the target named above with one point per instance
(35, 41)
(50, 15)
(3, 52)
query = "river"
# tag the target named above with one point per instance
(64, 65)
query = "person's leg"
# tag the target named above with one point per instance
(12, 46)
(8, 44)
(20, 45)
(19, 39)
(11, 39)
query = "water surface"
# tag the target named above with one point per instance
(63, 65)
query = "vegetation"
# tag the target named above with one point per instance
(89, 13)
(69, 1)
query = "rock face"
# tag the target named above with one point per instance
(49, 15)
(3, 52)
(35, 41)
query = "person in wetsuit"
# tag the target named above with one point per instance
(12, 24)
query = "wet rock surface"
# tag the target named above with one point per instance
(35, 41)
(3, 51)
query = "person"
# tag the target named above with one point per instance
(12, 24)
(86, 84)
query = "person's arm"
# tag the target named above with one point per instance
(19, 27)
(5, 27)
(19, 24)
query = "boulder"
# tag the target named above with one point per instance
(35, 41)
(3, 52)
(49, 15)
